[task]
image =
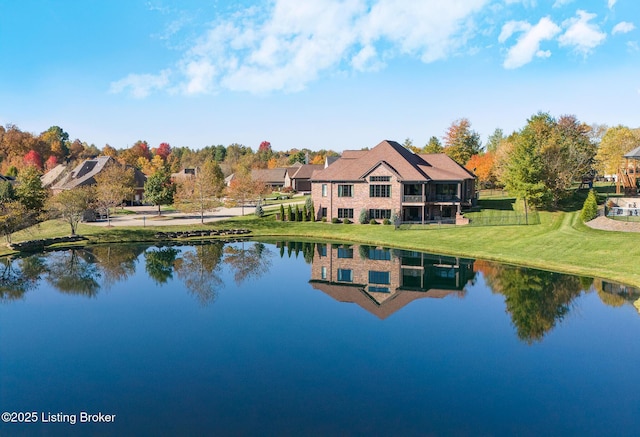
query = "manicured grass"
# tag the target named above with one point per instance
(561, 242)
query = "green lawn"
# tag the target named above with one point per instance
(561, 242)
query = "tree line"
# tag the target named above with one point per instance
(540, 162)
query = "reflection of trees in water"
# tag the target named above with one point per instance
(199, 271)
(116, 262)
(19, 276)
(73, 271)
(297, 247)
(159, 263)
(535, 299)
(251, 262)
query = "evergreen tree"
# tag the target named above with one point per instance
(259, 211)
(282, 212)
(363, 216)
(590, 207)
(290, 214)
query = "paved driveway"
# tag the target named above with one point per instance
(148, 216)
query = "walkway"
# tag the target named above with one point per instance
(607, 224)
(148, 216)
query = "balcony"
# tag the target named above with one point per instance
(445, 198)
(413, 199)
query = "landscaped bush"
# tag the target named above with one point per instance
(386, 222)
(373, 222)
(323, 219)
(363, 216)
(347, 221)
(335, 220)
(259, 211)
(590, 207)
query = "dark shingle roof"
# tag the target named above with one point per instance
(355, 165)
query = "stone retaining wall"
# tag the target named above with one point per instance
(201, 233)
(40, 245)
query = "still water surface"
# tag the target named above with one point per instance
(300, 338)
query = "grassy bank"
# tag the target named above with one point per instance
(561, 242)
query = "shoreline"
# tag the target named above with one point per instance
(453, 241)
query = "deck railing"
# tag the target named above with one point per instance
(414, 199)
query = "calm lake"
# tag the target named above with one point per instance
(294, 338)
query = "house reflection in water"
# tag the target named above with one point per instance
(384, 280)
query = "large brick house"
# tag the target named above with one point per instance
(388, 180)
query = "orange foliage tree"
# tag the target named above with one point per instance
(483, 166)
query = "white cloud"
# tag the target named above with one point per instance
(623, 27)
(141, 85)
(633, 46)
(611, 3)
(289, 43)
(582, 35)
(561, 3)
(528, 44)
(511, 27)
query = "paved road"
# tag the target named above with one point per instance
(148, 216)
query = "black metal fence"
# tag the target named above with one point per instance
(532, 218)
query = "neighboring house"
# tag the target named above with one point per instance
(330, 160)
(54, 175)
(228, 179)
(184, 174)
(391, 179)
(275, 178)
(383, 282)
(84, 175)
(301, 176)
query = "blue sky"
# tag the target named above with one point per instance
(315, 73)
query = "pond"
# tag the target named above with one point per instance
(293, 338)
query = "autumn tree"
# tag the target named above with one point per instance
(201, 192)
(433, 146)
(616, 142)
(159, 189)
(114, 185)
(51, 162)
(545, 158)
(107, 150)
(58, 141)
(461, 142)
(71, 205)
(14, 216)
(163, 151)
(33, 158)
(482, 165)
(243, 188)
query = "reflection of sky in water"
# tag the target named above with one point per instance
(278, 349)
